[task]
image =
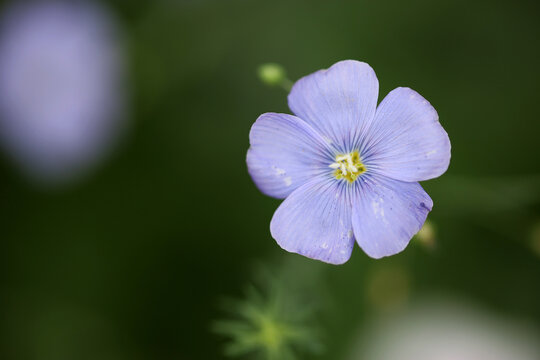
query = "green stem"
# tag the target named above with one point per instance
(286, 84)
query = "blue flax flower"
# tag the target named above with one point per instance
(347, 168)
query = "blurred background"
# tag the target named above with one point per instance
(127, 213)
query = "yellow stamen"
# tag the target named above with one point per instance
(348, 166)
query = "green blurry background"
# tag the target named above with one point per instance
(131, 262)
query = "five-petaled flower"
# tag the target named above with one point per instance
(347, 168)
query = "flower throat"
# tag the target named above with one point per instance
(348, 166)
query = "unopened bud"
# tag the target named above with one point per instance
(272, 74)
(426, 235)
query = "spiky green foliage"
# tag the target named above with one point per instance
(269, 323)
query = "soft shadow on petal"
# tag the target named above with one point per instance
(387, 213)
(315, 221)
(339, 102)
(285, 153)
(406, 141)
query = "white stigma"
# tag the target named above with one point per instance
(345, 164)
(348, 166)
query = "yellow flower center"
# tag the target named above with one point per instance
(348, 166)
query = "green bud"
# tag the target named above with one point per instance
(272, 74)
(427, 235)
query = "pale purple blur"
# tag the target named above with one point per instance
(62, 94)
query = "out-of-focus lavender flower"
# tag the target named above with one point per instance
(61, 86)
(347, 168)
(438, 330)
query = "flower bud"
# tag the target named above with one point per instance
(426, 236)
(272, 74)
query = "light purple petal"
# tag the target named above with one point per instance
(285, 153)
(315, 221)
(406, 141)
(387, 213)
(339, 102)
